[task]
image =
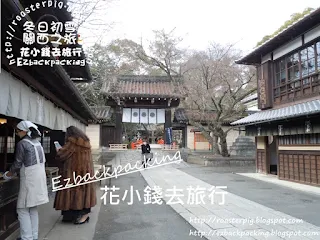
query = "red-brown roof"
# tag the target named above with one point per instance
(143, 86)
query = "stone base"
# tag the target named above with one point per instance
(219, 161)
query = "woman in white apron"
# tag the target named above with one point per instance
(30, 161)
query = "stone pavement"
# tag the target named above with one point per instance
(237, 216)
(131, 218)
(297, 203)
(274, 179)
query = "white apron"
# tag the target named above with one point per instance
(33, 182)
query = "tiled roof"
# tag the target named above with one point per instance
(183, 115)
(250, 98)
(143, 85)
(102, 112)
(293, 111)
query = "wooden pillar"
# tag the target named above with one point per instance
(167, 123)
(118, 112)
(185, 137)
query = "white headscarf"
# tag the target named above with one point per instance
(25, 125)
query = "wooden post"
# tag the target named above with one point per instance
(118, 137)
(184, 136)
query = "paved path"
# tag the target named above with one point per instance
(299, 204)
(237, 216)
(131, 218)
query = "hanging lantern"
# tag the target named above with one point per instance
(308, 126)
(259, 131)
(280, 130)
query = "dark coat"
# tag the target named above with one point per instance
(75, 156)
(145, 148)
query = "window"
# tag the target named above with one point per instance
(293, 67)
(280, 72)
(308, 61)
(2, 145)
(10, 144)
(296, 70)
(46, 144)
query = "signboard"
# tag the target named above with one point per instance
(265, 85)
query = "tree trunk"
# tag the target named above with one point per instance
(224, 145)
(215, 145)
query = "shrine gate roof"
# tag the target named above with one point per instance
(143, 86)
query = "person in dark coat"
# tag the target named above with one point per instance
(145, 151)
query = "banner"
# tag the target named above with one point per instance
(135, 117)
(160, 116)
(168, 136)
(126, 116)
(153, 116)
(144, 116)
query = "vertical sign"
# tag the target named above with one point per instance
(168, 135)
(265, 85)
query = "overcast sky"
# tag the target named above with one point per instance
(202, 21)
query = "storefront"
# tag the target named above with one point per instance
(288, 141)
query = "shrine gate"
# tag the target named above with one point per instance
(143, 99)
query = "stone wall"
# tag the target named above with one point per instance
(218, 161)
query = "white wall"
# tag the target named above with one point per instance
(291, 46)
(312, 34)
(93, 132)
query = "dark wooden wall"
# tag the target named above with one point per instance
(261, 163)
(303, 166)
(107, 135)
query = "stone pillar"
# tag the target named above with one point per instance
(118, 112)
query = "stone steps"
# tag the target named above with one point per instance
(243, 146)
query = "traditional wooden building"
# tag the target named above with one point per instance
(141, 99)
(287, 129)
(43, 94)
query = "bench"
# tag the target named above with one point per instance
(118, 146)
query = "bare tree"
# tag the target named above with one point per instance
(90, 16)
(163, 53)
(214, 87)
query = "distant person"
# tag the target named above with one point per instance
(160, 141)
(76, 202)
(145, 151)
